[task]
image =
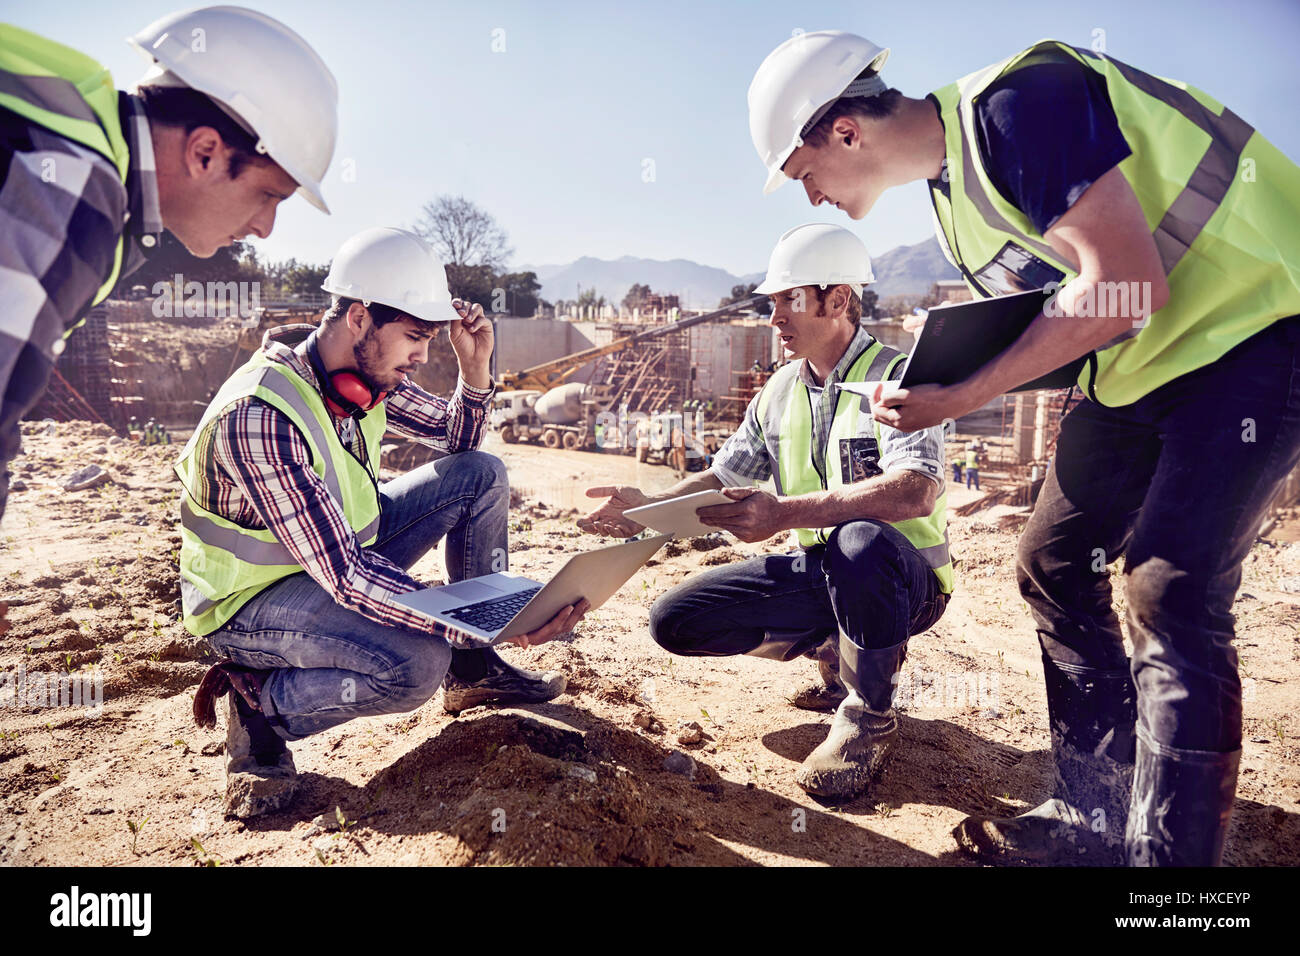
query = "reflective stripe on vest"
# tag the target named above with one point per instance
(785, 416)
(1223, 205)
(224, 565)
(69, 94)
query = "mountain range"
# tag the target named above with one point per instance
(905, 270)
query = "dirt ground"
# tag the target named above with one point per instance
(90, 578)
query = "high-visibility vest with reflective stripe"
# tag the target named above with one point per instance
(69, 94)
(785, 416)
(224, 565)
(1222, 203)
(972, 459)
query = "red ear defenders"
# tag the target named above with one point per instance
(346, 392)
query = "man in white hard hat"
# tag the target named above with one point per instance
(234, 115)
(1062, 167)
(867, 504)
(293, 553)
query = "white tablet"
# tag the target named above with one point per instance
(676, 516)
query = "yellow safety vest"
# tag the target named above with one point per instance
(1222, 203)
(785, 417)
(224, 565)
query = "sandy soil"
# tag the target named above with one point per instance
(90, 577)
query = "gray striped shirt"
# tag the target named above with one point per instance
(743, 459)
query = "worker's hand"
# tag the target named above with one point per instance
(563, 622)
(754, 515)
(915, 324)
(608, 518)
(471, 340)
(922, 406)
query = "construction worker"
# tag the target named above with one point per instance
(867, 503)
(1062, 167)
(677, 444)
(235, 113)
(293, 553)
(973, 465)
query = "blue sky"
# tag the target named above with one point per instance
(551, 136)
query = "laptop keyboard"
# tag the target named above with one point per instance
(495, 614)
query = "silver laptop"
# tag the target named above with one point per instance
(495, 607)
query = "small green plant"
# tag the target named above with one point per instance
(201, 856)
(1279, 728)
(135, 829)
(321, 856)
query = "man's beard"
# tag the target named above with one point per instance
(366, 353)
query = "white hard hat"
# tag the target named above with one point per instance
(262, 73)
(395, 268)
(819, 254)
(804, 74)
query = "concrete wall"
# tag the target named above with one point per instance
(522, 343)
(718, 350)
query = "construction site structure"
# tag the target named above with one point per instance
(648, 368)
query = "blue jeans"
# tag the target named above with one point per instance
(973, 475)
(1177, 483)
(867, 581)
(331, 663)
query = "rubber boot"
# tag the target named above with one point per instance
(260, 774)
(1092, 714)
(481, 676)
(864, 733)
(825, 692)
(1182, 805)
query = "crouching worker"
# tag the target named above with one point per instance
(293, 552)
(867, 502)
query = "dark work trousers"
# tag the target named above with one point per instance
(1177, 483)
(867, 581)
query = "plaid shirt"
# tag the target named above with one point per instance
(743, 458)
(63, 209)
(256, 472)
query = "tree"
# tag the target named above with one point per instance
(520, 290)
(741, 292)
(474, 283)
(636, 296)
(869, 300)
(588, 298)
(463, 234)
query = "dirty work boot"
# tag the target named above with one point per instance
(825, 692)
(480, 676)
(1091, 713)
(864, 732)
(260, 775)
(1182, 805)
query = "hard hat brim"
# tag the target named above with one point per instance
(775, 180)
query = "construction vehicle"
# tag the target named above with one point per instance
(540, 404)
(548, 418)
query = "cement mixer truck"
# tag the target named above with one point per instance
(563, 417)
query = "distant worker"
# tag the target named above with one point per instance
(973, 465)
(867, 503)
(1063, 167)
(956, 468)
(281, 477)
(92, 175)
(677, 445)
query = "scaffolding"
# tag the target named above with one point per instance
(650, 376)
